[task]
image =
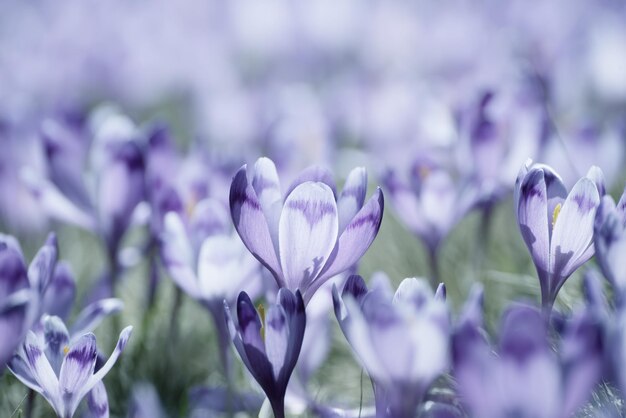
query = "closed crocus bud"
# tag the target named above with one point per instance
(401, 340)
(63, 370)
(269, 342)
(14, 298)
(557, 227)
(309, 234)
(610, 241)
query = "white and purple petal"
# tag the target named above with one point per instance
(352, 196)
(90, 317)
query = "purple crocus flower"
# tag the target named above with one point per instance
(269, 344)
(63, 371)
(557, 227)
(116, 169)
(526, 378)
(401, 339)
(610, 241)
(308, 235)
(23, 292)
(431, 203)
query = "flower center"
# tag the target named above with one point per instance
(66, 350)
(555, 214)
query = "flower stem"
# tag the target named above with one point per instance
(433, 259)
(30, 404)
(178, 300)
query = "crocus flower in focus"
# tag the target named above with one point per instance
(309, 234)
(401, 339)
(526, 378)
(610, 241)
(269, 344)
(63, 371)
(557, 227)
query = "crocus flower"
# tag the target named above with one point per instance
(610, 241)
(116, 170)
(22, 291)
(401, 339)
(526, 378)
(269, 344)
(557, 227)
(63, 371)
(308, 235)
(431, 203)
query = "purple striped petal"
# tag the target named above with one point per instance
(532, 212)
(308, 233)
(352, 196)
(597, 177)
(355, 239)
(276, 338)
(98, 402)
(57, 339)
(41, 371)
(12, 324)
(266, 185)
(251, 224)
(573, 230)
(249, 322)
(106, 368)
(77, 368)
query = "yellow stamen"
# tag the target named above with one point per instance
(555, 215)
(261, 310)
(66, 350)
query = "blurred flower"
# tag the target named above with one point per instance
(269, 345)
(145, 402)
(610, 241)
(401, 340)
(525, 378)
(103, 198)
(61, 370)
(557, 227)
(431, 203)
(23, 292)
(310, 234)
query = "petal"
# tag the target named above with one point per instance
(41, 371)
(407, 206)
(441, 292)
(13, 275)
(293, 305)
(355, 287)
(352, 196)
(57, 339)
(315, 174)
(308, 233)
(99, 375)
(251, 223)
(249, 322)
(177, 254)
(61, 292)
(596, 175)
(90, 317)
(55, 204)
(533, 223)
(416, 292)
(573, 231)
(98, 402)
(355, 239)
(523, 333)
(266, 185)
(77, 368)
(276, 338)
(41, 269)
(12, 324)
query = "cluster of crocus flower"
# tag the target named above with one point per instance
(217, 245)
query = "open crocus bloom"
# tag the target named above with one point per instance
(525, 378)
(269, 345)
(61, 370)
(557, 227)
(610, 240)
(401, 339)
(310, 234)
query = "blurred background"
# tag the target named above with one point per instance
(340, 83)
